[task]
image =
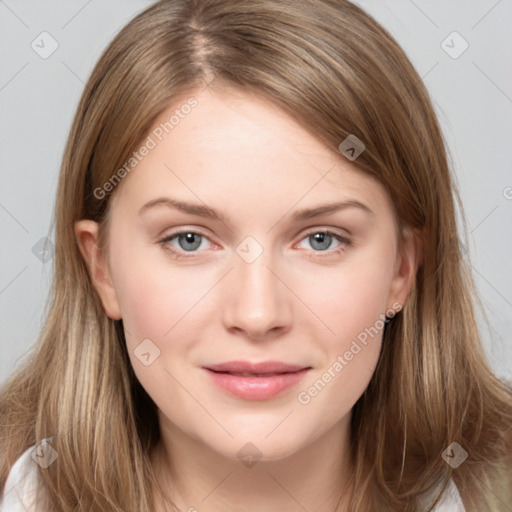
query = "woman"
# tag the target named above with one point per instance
(257, 370)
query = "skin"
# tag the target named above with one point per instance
(299, 302)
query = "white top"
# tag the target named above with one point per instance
(22, 482)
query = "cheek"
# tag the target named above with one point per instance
(348, 299)
(157, 298)
(352, 306)
(162, 305)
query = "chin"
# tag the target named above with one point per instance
(255, 447)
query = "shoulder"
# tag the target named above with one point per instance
(450, 500)
(20, 488)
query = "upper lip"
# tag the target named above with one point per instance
(256, 368)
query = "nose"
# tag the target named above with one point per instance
(258, 302)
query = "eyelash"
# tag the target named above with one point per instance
(345, 242)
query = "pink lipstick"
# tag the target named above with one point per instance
(255, 381)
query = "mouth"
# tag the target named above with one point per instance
(255, 381)
(245, 374)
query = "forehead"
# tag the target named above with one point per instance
(237, 143)
(228, 119)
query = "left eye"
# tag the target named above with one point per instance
(323, 240)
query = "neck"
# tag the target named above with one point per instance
(198, 479)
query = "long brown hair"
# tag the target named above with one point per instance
(337, 72)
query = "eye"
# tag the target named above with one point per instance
(321, 241)
(187, 241)
(191, 241)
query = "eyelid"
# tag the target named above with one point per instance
(183, 230)
(310, 231)
(325, 229)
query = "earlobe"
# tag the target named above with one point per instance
(407, 264)
(86, 232)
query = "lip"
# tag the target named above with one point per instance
(255, 381)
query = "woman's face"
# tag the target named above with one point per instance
(218, 253)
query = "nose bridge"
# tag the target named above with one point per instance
(256, 301)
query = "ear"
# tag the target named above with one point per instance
(86, 232)
(408, 260)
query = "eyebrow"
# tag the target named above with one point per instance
(211, 213)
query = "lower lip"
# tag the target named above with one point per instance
(256, 388)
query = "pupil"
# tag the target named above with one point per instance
(320, 238)
(190, 240)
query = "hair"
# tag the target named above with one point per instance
(337, 72)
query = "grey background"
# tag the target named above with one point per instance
(472, 95)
